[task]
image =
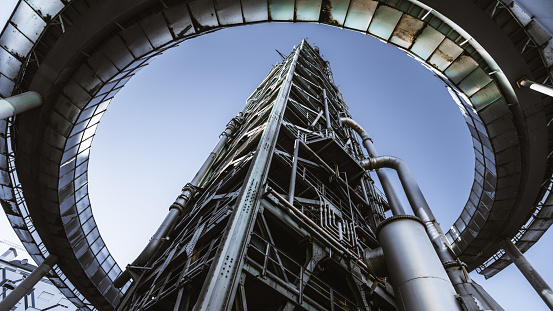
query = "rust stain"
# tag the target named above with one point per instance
(326, 14)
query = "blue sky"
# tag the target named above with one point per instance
(162, 125)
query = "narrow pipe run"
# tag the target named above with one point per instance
(391, 195)
(180, 206)
(28, 283)
(544, 89)
(19, 103)
(292, 188)
(327, 113)
(533, 277)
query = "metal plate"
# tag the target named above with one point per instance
(203, 15)
(255, 11)
(178, 21)
(427, 42)
(229, 12)
(281, 10)
(384, 22)
(406, 31)
(360, 14)
(445, 54)
(308, 10)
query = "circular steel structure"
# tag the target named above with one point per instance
(79, 54)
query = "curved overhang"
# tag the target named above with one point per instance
(79, 55)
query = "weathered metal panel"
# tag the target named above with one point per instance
(15, 42)
(445, 54)
(308, 10)
(116, 50)
(281, 10)
(75, 93)
(406, 31)
(229, 12)
(427, 42)
(474, 81)
(500, 126)
(136, 41)
(203, 15)
(255, 10)
(46, 8)
(6, 86)
(28, 21)
(507, 140)
(333, 12)
(87, 79)
(461, 68)
(156, 30)
(178, 21)
(384, 22)
(495, 110)
(360, 14)
(485, 96)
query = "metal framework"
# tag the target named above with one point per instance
(281, 220)
(479, 48)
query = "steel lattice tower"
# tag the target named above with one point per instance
(281, 216)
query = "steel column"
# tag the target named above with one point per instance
(224, 274)
(292, 188)
(28, 283)
(533, 277)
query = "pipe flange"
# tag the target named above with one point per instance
(397, 217)
(453, 263)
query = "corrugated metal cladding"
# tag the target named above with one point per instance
(506, 196)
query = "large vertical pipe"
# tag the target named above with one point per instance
(292, 187)
(419, 279)
(180, 205)
(533, 277)
(28, 283)
(19, 103)
(391, 195)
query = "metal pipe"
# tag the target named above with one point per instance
(28, 283)
(391, 195)
(420, 281)
(327, 113)
(330, 170)
(292, 188)
(313, 227)
(533, 277)
(19, 103)
(180, 206)
(544, 89)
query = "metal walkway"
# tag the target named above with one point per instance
(79, 54)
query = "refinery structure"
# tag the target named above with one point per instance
(284, 213)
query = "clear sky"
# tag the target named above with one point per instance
(162, 125)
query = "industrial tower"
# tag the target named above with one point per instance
(284, 216)
(281, 215)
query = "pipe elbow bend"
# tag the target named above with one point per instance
(382, 161)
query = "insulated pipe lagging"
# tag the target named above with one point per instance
(19, 103)
(179, 207)
(391, 195)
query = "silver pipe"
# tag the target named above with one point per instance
(13, 105)
(419, 279)
(28, 283)
(391, 195)
(541, 88)
(180, 206)
(292, 188)
(533, 277)
(327, 113)
(313, 227)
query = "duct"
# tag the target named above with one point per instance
(180, 206)
(19, 103)
(391, 195)
(28, 283)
